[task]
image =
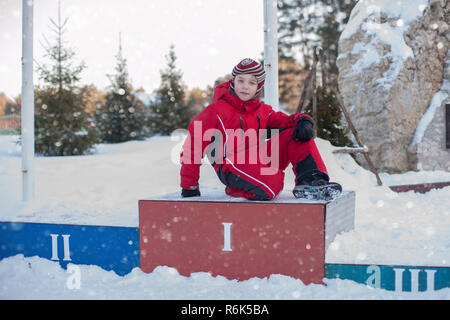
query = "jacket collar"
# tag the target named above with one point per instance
(223, 92)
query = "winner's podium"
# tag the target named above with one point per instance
(241, 239)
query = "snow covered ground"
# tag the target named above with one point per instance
(104, 189)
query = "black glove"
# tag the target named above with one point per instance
(304, 129)
(185, 193)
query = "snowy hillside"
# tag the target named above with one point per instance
(104, 189)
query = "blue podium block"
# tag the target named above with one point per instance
(393, 278)
(111, 248)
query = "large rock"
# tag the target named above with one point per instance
(428, 150)
(391, 63)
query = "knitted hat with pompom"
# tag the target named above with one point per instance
(249, 66)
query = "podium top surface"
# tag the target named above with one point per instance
(218, 195)
(105, 217)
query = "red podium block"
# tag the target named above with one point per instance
(241, 239)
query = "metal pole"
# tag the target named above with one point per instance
(271, 53)
(27, 118)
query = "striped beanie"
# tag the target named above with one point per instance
(249, 66)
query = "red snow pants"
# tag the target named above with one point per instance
(264, 179)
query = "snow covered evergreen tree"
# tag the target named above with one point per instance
(170, 111)
(122, 117)
(63, 127)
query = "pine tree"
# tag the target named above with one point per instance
(121, 117)
(305, 24)
(62, 127)
(169, 110)
(329, 126)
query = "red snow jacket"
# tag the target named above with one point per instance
(229, 118)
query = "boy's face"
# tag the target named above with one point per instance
(245, 86)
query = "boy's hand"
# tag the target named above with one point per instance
(185, 193)
(304, 129)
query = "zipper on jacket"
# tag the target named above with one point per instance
(259, 122)
(242, 127)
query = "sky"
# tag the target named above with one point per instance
(210, 37)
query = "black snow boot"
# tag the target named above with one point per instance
(318, 189)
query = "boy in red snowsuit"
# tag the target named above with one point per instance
(250, 145)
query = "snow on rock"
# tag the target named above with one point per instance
(365, 8)
(428, 146)
(368, 16)
(391, 63)
(437, 100)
